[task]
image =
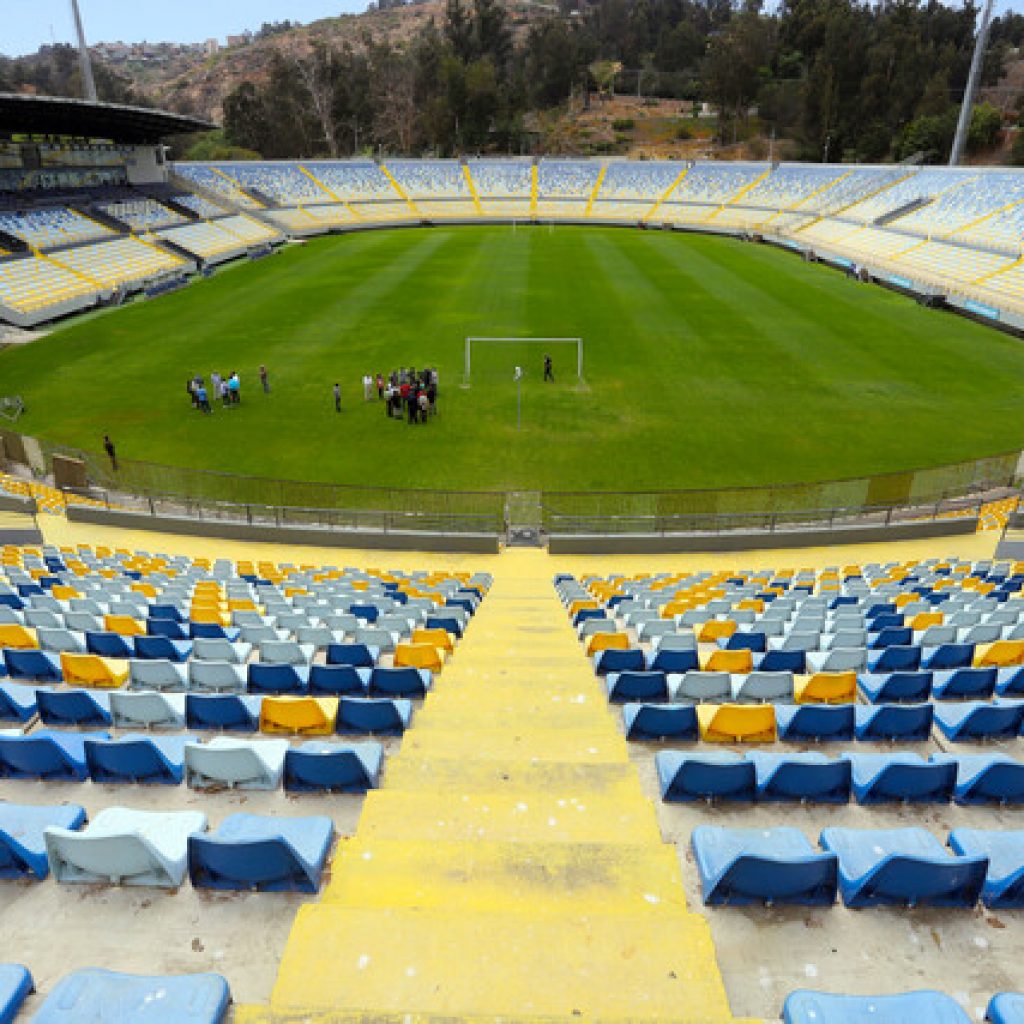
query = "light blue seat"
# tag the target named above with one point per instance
(1006, 1008)
(317, 765)
(699, 687)
(711, 776)
(743, 866)
(809, 776)
(904, 722)
(251, 852)
(17, 702)
(235, 763)
(159, 674)
(1004, 882)
(814, 722)
(881, 778)
(660, 721)
(804, 1007)
(220, 649)
(980, 720)
(905, 866)
(216, 677)
(985, 778)
(101, 996)
(60, 639)
(839, 659)
(759, 687)
(22, 845)
(147, 710)
(16, 985)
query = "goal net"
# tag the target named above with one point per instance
(499, 359)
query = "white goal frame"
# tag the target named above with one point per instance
(468, 364)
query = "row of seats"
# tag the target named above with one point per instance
(142, 214)
(815, 778)
(867, 867)
(32, 283)
(122, 846)
(51, 227)
(805, 1007)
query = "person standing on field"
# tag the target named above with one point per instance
(264, 379)
(337, 398)
(108, 447)
(549, 373)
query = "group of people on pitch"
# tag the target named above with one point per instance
(226, 387)
(410, 393)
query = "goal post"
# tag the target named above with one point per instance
(476, 340)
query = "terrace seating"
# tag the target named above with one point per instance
(52, 227)
(32, 284)
(142, 214)
(123, 846)
(122, 263)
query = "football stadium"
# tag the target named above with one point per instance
(501, 588)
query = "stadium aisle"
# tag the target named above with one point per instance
(510, 866)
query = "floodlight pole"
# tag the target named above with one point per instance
(963, 123)
(88, 82)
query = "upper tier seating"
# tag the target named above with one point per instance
(284, 183)
(352, 180)
(142, 214)
(501, 178)
(430, 179)
(206, 177)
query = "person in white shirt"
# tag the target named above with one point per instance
(367, 387)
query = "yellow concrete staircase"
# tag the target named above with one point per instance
(510, 867)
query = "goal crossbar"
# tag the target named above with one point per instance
(468, 369)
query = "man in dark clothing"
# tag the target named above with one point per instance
(264, 380)
(337, 398)
(108, 447)
(412, 405)
(548, 372)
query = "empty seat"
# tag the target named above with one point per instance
(229, 712)
(965, 683)
(160, 674)
(216, 677)
(905, 866)
(815, 722)
(779, 865)
(399, 682)
(17, 702)
(265, 854)
(61, 639)
(905, 722)
(1002, 653)
(22, 844)
(629, 659)
(16, 985)
(1006, 1008)
(137, 758)
(879, 778)
(335, 680)
(38, 666)
(659, 721)
(374, 717)
(317, 765)
(69, 708)
(93, 670)
(636, 686)
(736, 662)
(93, 995)
(302, 716)
(895, 687)
(803, 1007)
(280, 678)
(760, 687)
(286, 652)
(151, 648)
(697, 687)
(712, 776)
(839, 659)
(220, 649)
(147, 710)
(57, 756)
(947, 656)
(1004, 881)
(235, 763)
(109, 645)
(736, 723)
(986, 778)
(355, 655)
(125, 847)
(827, 688)
(980, 720)
(811, 776)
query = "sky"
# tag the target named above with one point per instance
(25, 25)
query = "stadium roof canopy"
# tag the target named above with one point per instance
(49, 115)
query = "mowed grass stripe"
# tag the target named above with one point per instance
(709, 363)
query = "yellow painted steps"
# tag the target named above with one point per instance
(536, 879)
(539, 817)
(407, 961)
(262, 1015)
(504, 744)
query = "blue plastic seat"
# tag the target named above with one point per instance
(747, 641)
(779, 865)
(610, 660)
(882, 778)
(1010, 681)
(399, 682)
(22, 840)
(355, 655)
(277, 679)
(317, 765)
(660, 721)
(905, 866)
(251, 852)
(980, 720)
(162, 648)
(448, 623)
(138, 758)
(169, 628)
(373, 717)
(95, 995)
(166, 611)
(804, 1007)
(57, 756)
(893, 721)
(895, 658)
(1006, 1008)
(1004, 882)
(636, 686)
(781, 661)
(16, 985)
(712, 776)
(231, 712)
(814, 722)
(985, 778)
(335, 680)
(811, 776)
(880, 621)
(965, 683)
(109, 645)
(39, 666)
(674, 661)
(71, 708)
(213, 631)
(895, 687)
(948, 656)
(895, 636)
(367, 612)
(17, 702)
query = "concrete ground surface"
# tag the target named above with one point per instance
(526, 666)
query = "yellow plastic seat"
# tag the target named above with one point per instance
(17, 637)
(145, 589)
(92, 670)
(736, 723)
(1001, 654)
(123, 624)
(751, 604)
(62, 592)
(209, 615)
(582, 605)
(299, 716)
(607, 642)
(242, 605)
(716, 629)
(418, 656)
(926, 619)
(730, 661)
(826, 688)
(438, 638)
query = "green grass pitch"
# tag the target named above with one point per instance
(709, 362)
